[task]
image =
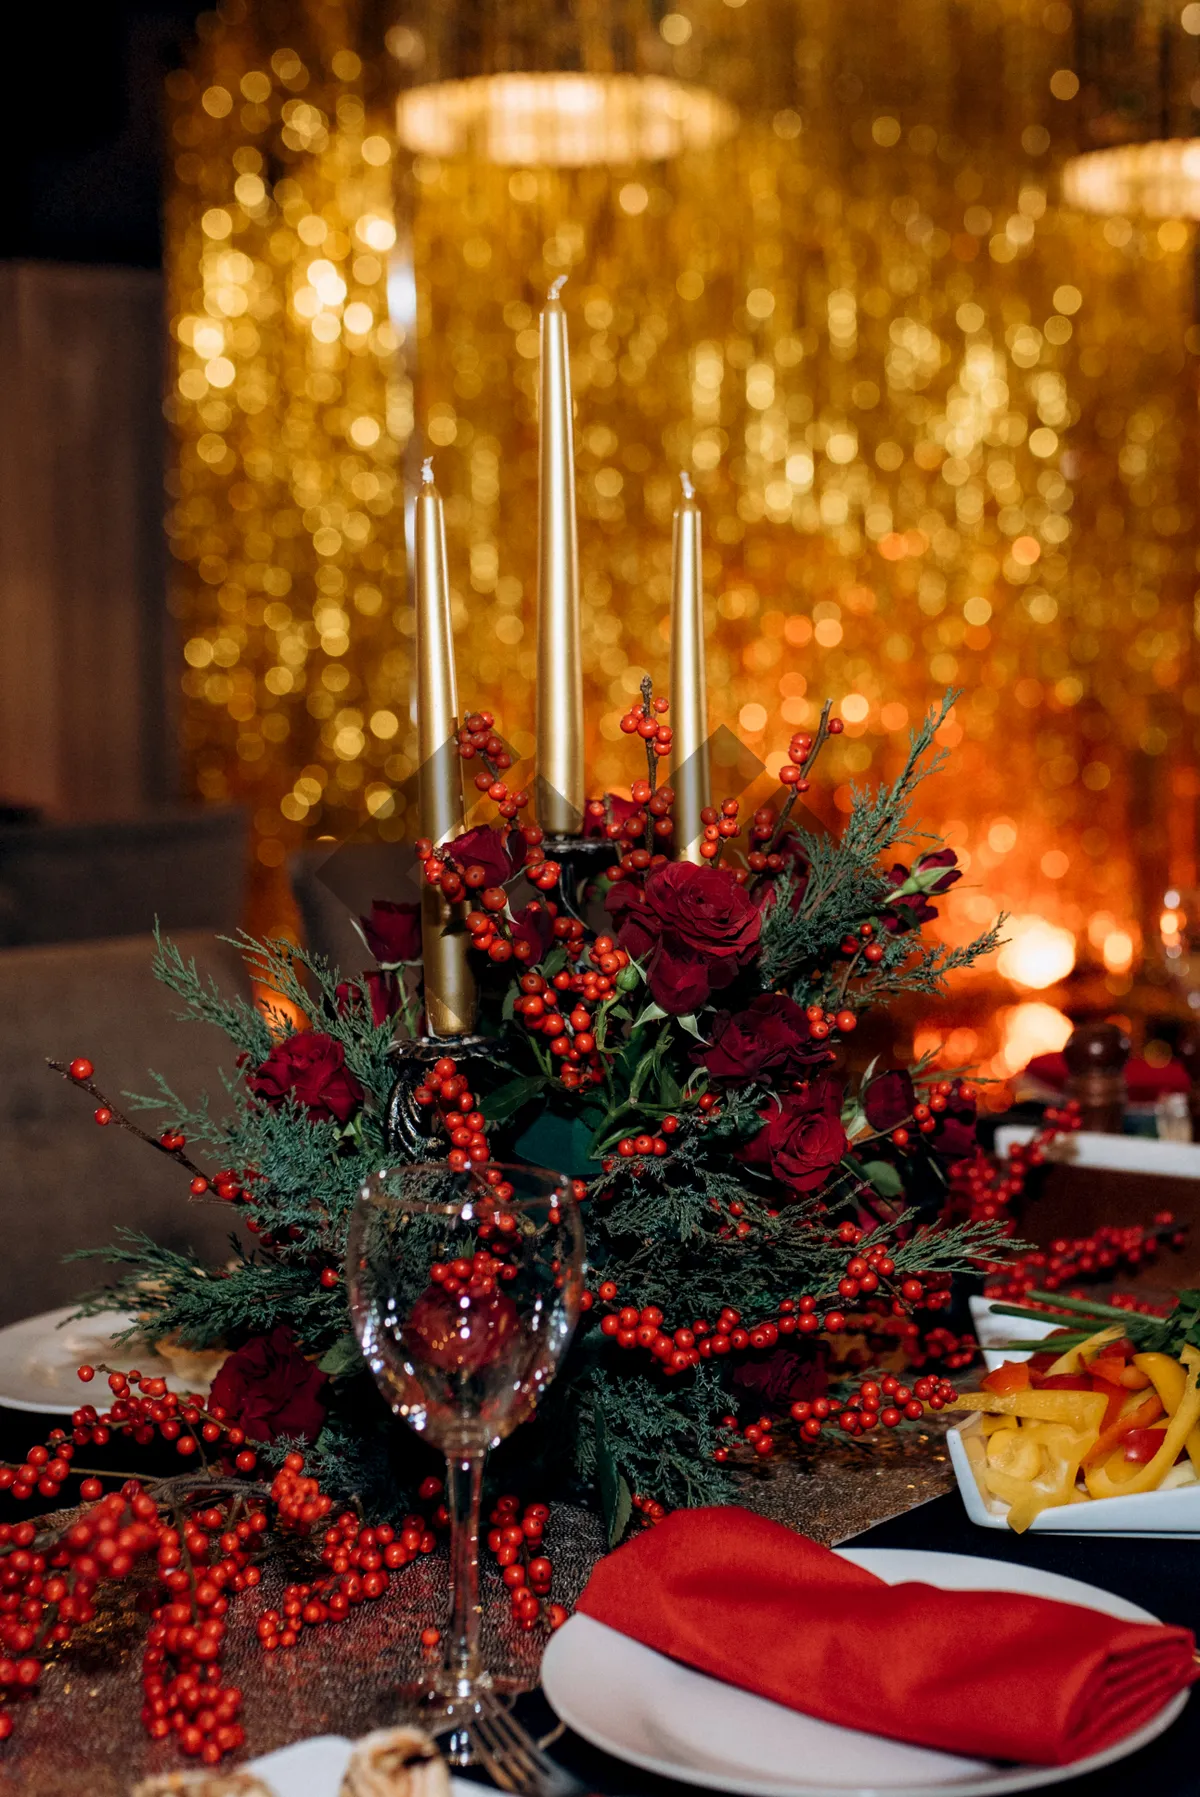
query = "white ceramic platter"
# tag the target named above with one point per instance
(39, 1355)
(668, 1719)
(1155, 1513)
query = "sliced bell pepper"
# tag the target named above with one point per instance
(1060, 1449)
(1080, 1409)
(1185, 1419)
(1013, 1375)
(1118, 1372)
(1015, 1452)
(1077, 1360)
(1114, 1396)
(1140, 1415)
(1064, 1382)
(1141, 1445)
(1169, 1378)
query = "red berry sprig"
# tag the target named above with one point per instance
(515, 1541)
(446, 1092)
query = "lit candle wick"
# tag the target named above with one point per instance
(557, 286)
(685, 481)
(427, 471)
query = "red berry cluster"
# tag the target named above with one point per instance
(651, 817)
(758, 1436)
(446, 1092)
(360, 1560)
(570, 1035)
(1105, 1253)
(720, 827)
(644, 720)
(885, 1401)
(870, 1275)
(983, 1191)
(202, 1558)
(650, 1510)
(515, 1541)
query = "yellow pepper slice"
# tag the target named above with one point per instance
(1060, 1450)
(1076, 1360)
(1081, 1409)
(1187, 1415)
(1015, 1452)
(1169, 1377)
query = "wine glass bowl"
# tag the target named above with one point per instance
(464, 1290)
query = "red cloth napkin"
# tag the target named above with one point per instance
(985, 1674)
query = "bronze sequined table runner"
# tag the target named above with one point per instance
(82, 1736)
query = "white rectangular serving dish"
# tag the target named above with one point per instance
(1158, 1513)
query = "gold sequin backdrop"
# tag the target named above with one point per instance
(943, 428)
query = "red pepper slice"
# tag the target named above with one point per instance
(1012, 1376)
(1141, 1445)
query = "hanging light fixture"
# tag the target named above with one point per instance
(583, 85)
(1139, 87)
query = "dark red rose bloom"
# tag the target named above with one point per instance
(782, 1378)
(269, 1389)
(695, 927)
(954, 1138)
(802, 1139)
(312, 1067)
(924, 867)
(618, 808)
(769, 1040)
(487, 848)
(383, 990)
(888, 1101)
(392, 932)
(453, 1340)
(533, 924)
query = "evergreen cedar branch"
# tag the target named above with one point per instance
(656, 1233)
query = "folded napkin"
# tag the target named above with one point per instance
(986, 1674)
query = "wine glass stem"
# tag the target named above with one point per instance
(465, 1490)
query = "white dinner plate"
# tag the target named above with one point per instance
(39, 1356)
(660, 1715)
(314, 1768)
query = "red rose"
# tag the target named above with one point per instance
(312, 1067)
(888, 1101)
(268, 1389)
(444, 1335)
(781, 1378)
(383, 989)
(698, 927)
(392, 932)
(770, 1039)
(620, 810)
(954, 1138)
(802, 1139)
(533, 924)
(499, 857)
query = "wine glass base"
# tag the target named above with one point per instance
(447, 1706)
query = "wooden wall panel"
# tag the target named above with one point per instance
(83, 621)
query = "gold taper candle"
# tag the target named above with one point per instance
(689, 691)
(559, 657)
(449, 982)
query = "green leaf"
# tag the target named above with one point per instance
(884, 1177)
(668, 1088)
(508, 1008)
(555, 961)
(344, 1357)
(689, 1024)
(616, 1501)
(651, 1014)
(508, 1099)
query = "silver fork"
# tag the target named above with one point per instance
(513, 1758)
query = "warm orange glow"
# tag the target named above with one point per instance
(1117, 951)
(1037, 953)
(1031, 1029)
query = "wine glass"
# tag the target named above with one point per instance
(464, 1291)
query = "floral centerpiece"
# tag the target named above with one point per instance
(749, 1201)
